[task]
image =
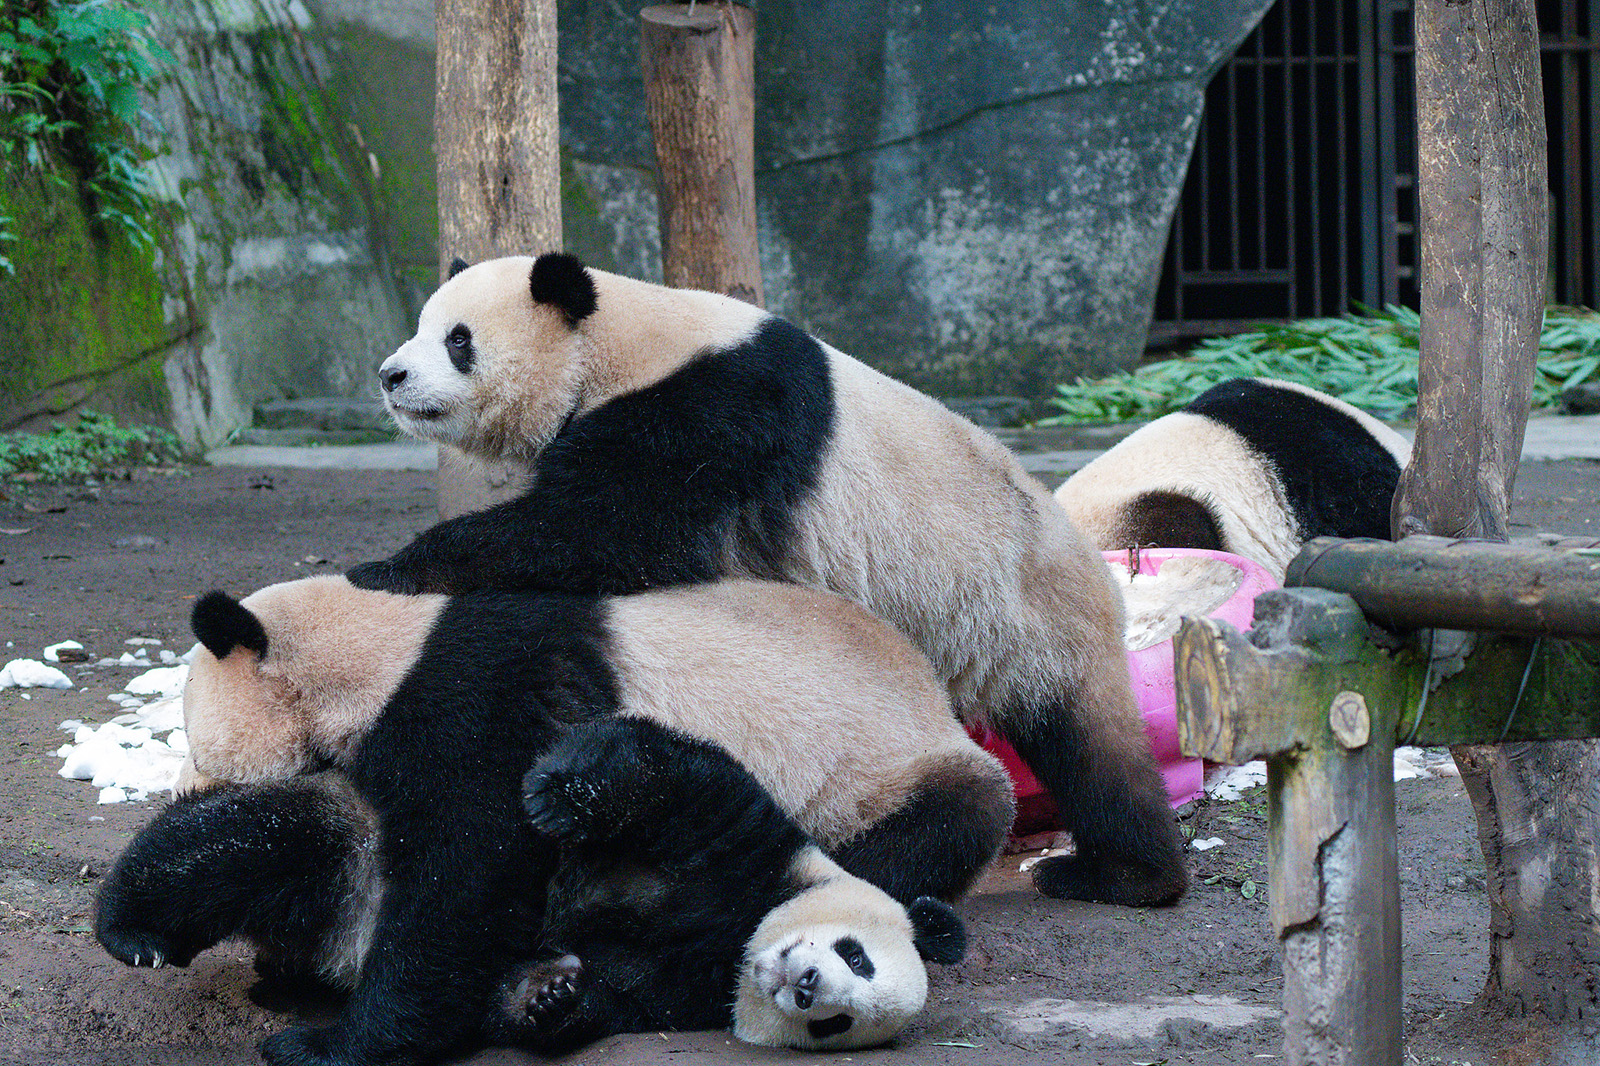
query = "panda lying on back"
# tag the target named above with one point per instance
(1252, 466)
(681, 898)
(678, 436)
(433, 707)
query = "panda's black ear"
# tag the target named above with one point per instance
(937, 931)
(563, 282)
(457, 265)
(222, 624)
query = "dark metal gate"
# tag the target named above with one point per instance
(1301, 194)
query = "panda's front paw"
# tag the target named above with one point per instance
(383, 576)
(304, 1046)
(142, 947)
(553, 802)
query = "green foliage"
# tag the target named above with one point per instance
(90, 445)
(1367, 360)
(70, 75)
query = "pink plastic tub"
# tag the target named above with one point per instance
(1154, 689)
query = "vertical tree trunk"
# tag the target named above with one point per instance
(1484, 218)
(497, 142)
(699, 79)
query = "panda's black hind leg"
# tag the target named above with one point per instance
(1129, 851)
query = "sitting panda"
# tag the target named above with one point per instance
(680, 897)
(434, 706)
(676, 436)
(1252, 466)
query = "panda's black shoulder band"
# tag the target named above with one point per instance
(563, 282)
(222, 623)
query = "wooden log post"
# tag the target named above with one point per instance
(1483, 220)
(699, 78)
(1325, 705)
(496, 140)
(1315, 700)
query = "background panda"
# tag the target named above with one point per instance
(831, 710)
(1252, 466)
(677, 436)
(678, 884)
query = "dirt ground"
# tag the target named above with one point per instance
(1044, 982)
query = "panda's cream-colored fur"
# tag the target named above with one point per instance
(758, 668)
(951, 541)
(335, 654)
(797, 936)
(1194, 456)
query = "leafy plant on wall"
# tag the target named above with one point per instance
(70, 79)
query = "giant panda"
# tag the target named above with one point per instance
(1252, 466)
(678, 436)
(432, 707)
(679, 897)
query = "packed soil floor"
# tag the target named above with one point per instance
(1044, 981)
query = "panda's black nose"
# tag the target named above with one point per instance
(392, 377)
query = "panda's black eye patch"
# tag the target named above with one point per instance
(855, 956)
(458, 342)
(839, 1023)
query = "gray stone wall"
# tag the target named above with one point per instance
(972, 196)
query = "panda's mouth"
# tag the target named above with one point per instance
(424, 414)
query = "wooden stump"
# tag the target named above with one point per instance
(699, 78)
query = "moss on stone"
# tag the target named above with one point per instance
(82, 317)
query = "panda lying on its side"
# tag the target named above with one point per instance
(681, 898)
(1252, 466)
(434, 707)
(678, 436)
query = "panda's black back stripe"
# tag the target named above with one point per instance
(730, 443)
(1339, 481)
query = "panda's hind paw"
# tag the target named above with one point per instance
(547, 993)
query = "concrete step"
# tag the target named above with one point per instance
(289, 438)
(324, 413)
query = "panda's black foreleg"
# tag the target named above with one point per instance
(1128, 847)
(269, 862)
(939, 842)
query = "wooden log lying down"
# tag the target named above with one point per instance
(1436, 582)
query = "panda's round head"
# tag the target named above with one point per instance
(841, 966)
(497, 363)
(292, 677)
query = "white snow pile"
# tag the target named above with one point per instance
(31, 673)
(127, 758)
(1228, 783)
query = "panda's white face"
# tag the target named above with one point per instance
(491, 370)
(836, 986)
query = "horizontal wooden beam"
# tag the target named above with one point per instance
(1242, 697)
(1435, 582)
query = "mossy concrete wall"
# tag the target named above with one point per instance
(271, 275)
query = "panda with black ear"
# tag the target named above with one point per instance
(433, 707)
(1252, 466)
(678, 436)
(681, 897)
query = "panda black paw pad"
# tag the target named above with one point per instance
(549, 992)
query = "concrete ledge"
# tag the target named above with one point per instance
(401, 455)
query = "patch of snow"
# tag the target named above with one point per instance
(161, 681)
(31, 673)
(52, 654)
(1228, 783)
(126, 758)
(1207, 844)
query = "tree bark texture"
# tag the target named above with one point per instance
(1484, 221)
(496, 138)
(699, 79)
